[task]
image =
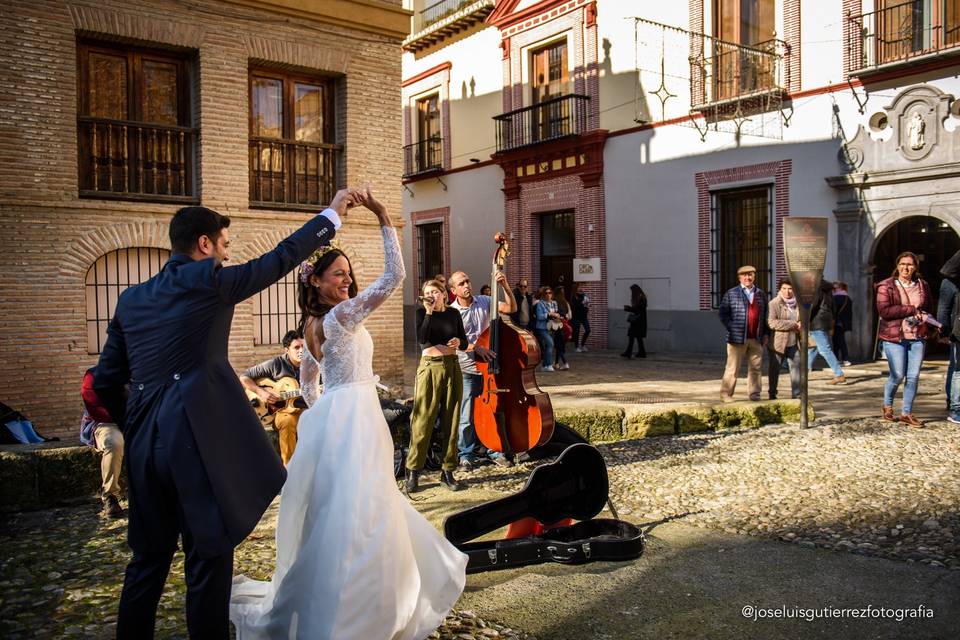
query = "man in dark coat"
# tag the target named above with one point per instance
(523, 318)
(743, 311)
(200, 465)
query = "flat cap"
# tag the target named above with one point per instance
(746, 269)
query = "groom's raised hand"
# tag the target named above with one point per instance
(342, 201)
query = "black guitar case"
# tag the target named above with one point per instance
(574, 486)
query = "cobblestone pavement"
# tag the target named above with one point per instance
(62, 570)
(856, 485)
(859, 486)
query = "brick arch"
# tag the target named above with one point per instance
(264, 242)
(101, 22)
(87, 249)
(297, 54)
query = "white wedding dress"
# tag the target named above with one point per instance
(354, 560)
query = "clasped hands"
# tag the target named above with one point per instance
(346, 199)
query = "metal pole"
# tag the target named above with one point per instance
(804, 340)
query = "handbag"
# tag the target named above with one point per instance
(567, 329)
(553, 325)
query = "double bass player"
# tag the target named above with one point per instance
(475, 313)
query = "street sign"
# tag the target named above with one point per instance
(805, 248)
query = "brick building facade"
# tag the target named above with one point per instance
(57, 226)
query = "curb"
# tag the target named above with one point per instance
(643, 421)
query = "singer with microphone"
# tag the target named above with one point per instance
(903, 303)
(439, 385)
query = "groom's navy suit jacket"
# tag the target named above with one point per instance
(168, 342)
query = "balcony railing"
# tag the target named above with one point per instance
(902, 32)
(291, 175)
(135, 160)
(444, 19)
(726, 71)
(436, 12)
(423, 157)
(552, 119)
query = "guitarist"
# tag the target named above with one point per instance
(285, 365)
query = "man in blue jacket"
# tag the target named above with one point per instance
(743, 311)
(200, 467)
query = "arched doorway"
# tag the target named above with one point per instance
(932, 240)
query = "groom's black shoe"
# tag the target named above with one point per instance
(446, 477)
(413, 481)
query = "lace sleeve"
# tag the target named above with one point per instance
(353, 312)
(309, 374)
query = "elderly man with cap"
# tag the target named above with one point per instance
(743, 311)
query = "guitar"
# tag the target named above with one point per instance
(289, 391)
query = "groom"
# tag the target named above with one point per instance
(200, 465)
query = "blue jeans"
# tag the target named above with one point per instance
(468, 446)
(948, 387)
(953, 380)
(546, 346)
(904, 359)
(822, 342)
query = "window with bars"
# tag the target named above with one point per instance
(275, 310)
(429, 250)
(293, 157)
(110, 276)
(135, 136)
(741, 233)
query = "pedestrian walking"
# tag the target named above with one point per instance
(580, 306)
(743, 309)
(822, 317)
(545, 323)
(560, 334)
(636, 321)
(903, 303)
(784, 322)
(844, 322)
(948, 313)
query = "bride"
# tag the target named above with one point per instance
(354, 559)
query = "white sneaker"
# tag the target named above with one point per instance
(847, 363)
(583, 349)
(578, 350)
(566, 366)
(548, 368)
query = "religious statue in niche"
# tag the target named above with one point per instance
(915, 131)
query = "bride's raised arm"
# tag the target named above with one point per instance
(351, 313)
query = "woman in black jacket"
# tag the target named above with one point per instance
(637, 320)
(844, 309)
(439, 385)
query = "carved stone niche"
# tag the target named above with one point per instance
(918, 113)
(916, 116)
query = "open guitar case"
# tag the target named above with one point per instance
(574, 486)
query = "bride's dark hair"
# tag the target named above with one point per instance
(309, 299)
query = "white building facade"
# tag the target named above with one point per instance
(663, 144)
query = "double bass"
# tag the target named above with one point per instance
(511, 414)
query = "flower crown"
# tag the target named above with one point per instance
(307, 266)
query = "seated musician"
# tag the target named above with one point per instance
(285, 365)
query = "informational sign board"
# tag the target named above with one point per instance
(805, 248)
(586, 269)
